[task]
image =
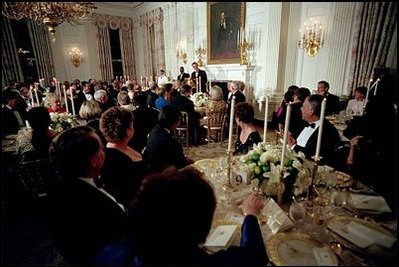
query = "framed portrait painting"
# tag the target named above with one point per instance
(224, 20)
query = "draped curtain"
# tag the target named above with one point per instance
(42, 51)
(11, 68)
(375, 22)
(154, 46)
(125, 26)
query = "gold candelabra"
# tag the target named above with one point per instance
(199, 52)
(244, 47)
(312, 39)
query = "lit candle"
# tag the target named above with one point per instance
(376, 86)
(65, 98)
(233, 100)
(116, 78)
(286, 130)
(41, 81)
(128, 78)
(141, 80)
(31, 96)
(37, 97)
(200, 89)
(146, 81)
(210, 85)
(72, 102)
(322, 115)
(367, 94)
(266, 111)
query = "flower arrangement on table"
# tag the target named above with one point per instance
(200, 99)
(263, 166)
(62, 121)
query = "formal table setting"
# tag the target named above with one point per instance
(345, 223)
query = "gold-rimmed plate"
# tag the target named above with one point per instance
(298, 249)
(361, 239)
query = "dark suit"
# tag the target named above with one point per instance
(10, 121)
(83, 220)
(182, 76)
(296, 122)
(145, 118)
(204, 79)
(329, 143)
(240, 97)
(163, 150)
(332, 105)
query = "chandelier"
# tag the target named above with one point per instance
(50, 14)
(312, 38)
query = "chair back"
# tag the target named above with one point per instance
(182, 132)
(35, 176)
(216, 123)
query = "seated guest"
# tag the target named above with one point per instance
(145, 118)
(307, 139)
(101, 96)
(296, 122)
(35, 142)
(152, 94)
(172, 216)
(279, 115)
(124, 101)
(233, 87)
(248, 136)
(355, 106)
(162, 148)
(91, 112)
(124, 167)
(54, 103)
(13, 119)
(164, 96)
(332, 100)
(83, 217)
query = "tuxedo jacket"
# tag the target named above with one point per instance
(163, 150)
(182, 76)
(10, 121)
(329, 143)
(332, 105)
(204, 79)
(240, 97)
(83, 220)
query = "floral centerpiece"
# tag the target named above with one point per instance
(263, 164)
(62, 121)
(200, 99)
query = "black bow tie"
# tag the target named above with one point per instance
(312, 125)
(99, 182)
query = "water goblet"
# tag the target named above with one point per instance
(297, 211)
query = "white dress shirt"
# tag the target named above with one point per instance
(162, 80)
(355, 107)
(306, 133)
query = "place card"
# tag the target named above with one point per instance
(221, 237)
(323, 257)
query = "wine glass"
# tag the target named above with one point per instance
(297, 211)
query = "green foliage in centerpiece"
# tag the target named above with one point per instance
(62, 121)
(263, 163)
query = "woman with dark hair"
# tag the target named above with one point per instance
(34, 143)
(248, 135)
(170, 219)
(124, 167)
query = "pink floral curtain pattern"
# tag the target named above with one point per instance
(125, 26)
(375, 24)
(42, 50)
(153, 37)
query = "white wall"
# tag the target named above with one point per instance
(276, 60)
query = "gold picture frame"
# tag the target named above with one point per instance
(223, 31)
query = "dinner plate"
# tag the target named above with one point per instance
(361, 238)
(299, 249)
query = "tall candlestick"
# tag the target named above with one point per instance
(266, 111)
(376, 86)
(141, 80)
(319, 135)
(65, 99)
(37, 96)
(72, 102)
(367, 94)
(233, 100)
(286, 130)
(31, 96)
(146, 81)
(200, 89)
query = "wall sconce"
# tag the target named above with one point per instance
(181, 51)
(312, 38)
(199, 52)
(76, 56)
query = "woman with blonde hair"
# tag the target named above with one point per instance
(90, 111)
(54, 103)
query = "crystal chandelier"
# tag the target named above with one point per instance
(50, 14)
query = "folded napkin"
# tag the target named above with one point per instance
(359, 240)
(277, 219)
(377, 237)
(221, 237)
(368, 202)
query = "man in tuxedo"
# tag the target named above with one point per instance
(83, 216)
(13, 119)
(233, 88)
(307, 139)
(162, 149)
(199, 78)
(183, 75)
(332, 106)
